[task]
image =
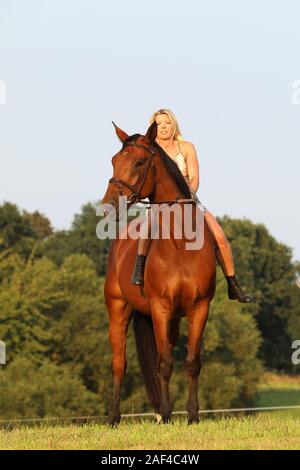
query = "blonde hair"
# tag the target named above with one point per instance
(177, 134)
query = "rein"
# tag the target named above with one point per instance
(136, 189)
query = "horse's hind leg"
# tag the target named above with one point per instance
(119, 319)
(196, 323)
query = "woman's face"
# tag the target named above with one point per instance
(164, 127)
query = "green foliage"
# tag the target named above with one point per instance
(58, 246)
(31, 391)
(54, 321)
(26, 294)
(81, 238)
(16, 230)
(80, 332)
(40, 224)
(57, 313)
(231, 341)
(265, 266)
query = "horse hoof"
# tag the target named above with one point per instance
(193, 419)
(113, 421)
(166, 420)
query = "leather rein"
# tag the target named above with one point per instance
(136, 189)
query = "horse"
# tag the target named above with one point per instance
(178, 282)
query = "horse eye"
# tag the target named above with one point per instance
(140, 162)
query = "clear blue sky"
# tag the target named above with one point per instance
(225, 68)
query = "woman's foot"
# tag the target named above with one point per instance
(138, 274)
(235, 292)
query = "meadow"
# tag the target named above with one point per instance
(260, 431)
(251, 432)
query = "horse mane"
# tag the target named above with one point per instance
(131, 138)
(173, 170)
(170, 165)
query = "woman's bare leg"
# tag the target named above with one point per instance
(223, 250)
(225, 259)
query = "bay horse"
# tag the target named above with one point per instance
(178, 282)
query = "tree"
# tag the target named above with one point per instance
(266, 267)
(16, 231)
(40, 224)
(80, 330)
(57, 314)
(53, 315)
(81, 238)
(27, 294)
(28, 390)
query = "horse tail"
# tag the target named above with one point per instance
(147, 355)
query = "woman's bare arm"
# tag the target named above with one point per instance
(192, 165)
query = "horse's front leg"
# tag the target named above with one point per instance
(162, 321)
(119, 319)
(196, 318)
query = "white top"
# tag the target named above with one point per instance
(180, 159)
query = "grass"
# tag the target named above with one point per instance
(279, 390)
(252, 432)
(263, 431)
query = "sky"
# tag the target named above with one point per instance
(229, 70)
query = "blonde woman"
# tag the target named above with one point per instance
(184, 154)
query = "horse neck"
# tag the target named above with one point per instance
(166, 187)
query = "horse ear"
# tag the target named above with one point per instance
(151, 133)
(121, 134)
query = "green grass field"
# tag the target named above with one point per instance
(277, 390)
(259, 432)
(266, 430)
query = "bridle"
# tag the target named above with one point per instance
(136, 188)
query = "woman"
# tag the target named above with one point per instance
(184, 154)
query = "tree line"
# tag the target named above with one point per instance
(54, 323)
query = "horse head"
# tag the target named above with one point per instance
(133, 169)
